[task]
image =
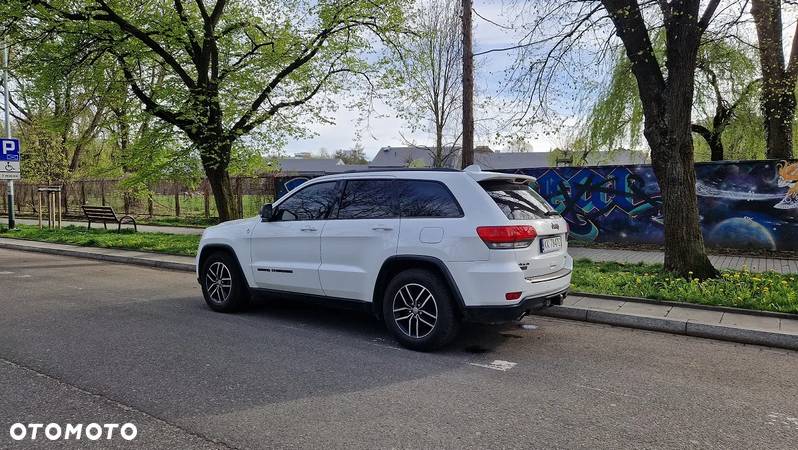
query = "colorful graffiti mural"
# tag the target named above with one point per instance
(742, 204)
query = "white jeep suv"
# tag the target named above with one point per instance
(422, 249)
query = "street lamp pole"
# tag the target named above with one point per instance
(11, 221)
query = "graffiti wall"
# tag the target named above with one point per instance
(742, 204)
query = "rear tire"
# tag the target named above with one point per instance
(223, 285)
(417, 309)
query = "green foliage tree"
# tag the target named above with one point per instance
(230, 69)
(355, 155)
(53, 92)
(665, 86)
(46, 161)
(725, 96)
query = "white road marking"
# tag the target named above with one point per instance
(497, 365)
(6, 272)
(22, 276)
(528, 326)
(782, 419)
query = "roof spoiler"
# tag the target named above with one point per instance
(516, 178)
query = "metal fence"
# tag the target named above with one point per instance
(165, 199)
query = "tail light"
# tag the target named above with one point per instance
(507, 237)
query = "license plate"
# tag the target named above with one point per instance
(551, 244)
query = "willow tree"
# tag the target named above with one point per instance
(560, 34)
(726, 84)
(231, 68)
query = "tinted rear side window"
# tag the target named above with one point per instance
(426, 199)
(518, 201)
(310, 203)
(367, 199)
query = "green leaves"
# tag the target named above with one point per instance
(221, 72)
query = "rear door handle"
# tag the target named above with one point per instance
(309, 229)
(382, 228)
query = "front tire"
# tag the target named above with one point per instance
(223, 285)
(418, 310)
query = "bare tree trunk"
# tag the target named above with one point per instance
(223, 196)
(215, 160)
(667, 107)
(685, 253)
(778, 108)
(778, 79)
(713, 140)
(468, 88)
(439, 158)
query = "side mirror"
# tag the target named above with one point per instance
(266, 212)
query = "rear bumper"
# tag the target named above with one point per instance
(509, 313)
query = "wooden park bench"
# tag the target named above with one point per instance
(106, 214)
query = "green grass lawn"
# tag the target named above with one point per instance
(761, 291)
(738, 289)
(174, 244)
(194, 222)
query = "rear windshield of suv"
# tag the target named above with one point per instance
(518, 201)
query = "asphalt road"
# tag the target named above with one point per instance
(84, 341)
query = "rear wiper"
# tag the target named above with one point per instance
(551, 213)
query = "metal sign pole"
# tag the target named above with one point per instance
(11, 221)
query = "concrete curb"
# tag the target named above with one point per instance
(687, 328)
(725, 309)
(133, 260)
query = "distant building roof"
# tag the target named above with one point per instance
(521, 160)
(404, 156)
(420, 155)
(398, 157)
(304, 165)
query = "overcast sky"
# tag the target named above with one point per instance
(386, 130)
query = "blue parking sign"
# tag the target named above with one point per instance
(9, 149)
(9, 159)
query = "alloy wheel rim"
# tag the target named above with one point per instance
(415, 310)
(218, 282)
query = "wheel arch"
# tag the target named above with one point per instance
(209, 249)
(395, 264)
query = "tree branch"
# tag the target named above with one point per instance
(150, 104)
(708, 13)
(193, 48)
(127, 27)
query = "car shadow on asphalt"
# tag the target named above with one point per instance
(357, 321)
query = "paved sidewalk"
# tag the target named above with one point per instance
(731, 262)
(777, 330)
(145, 228)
